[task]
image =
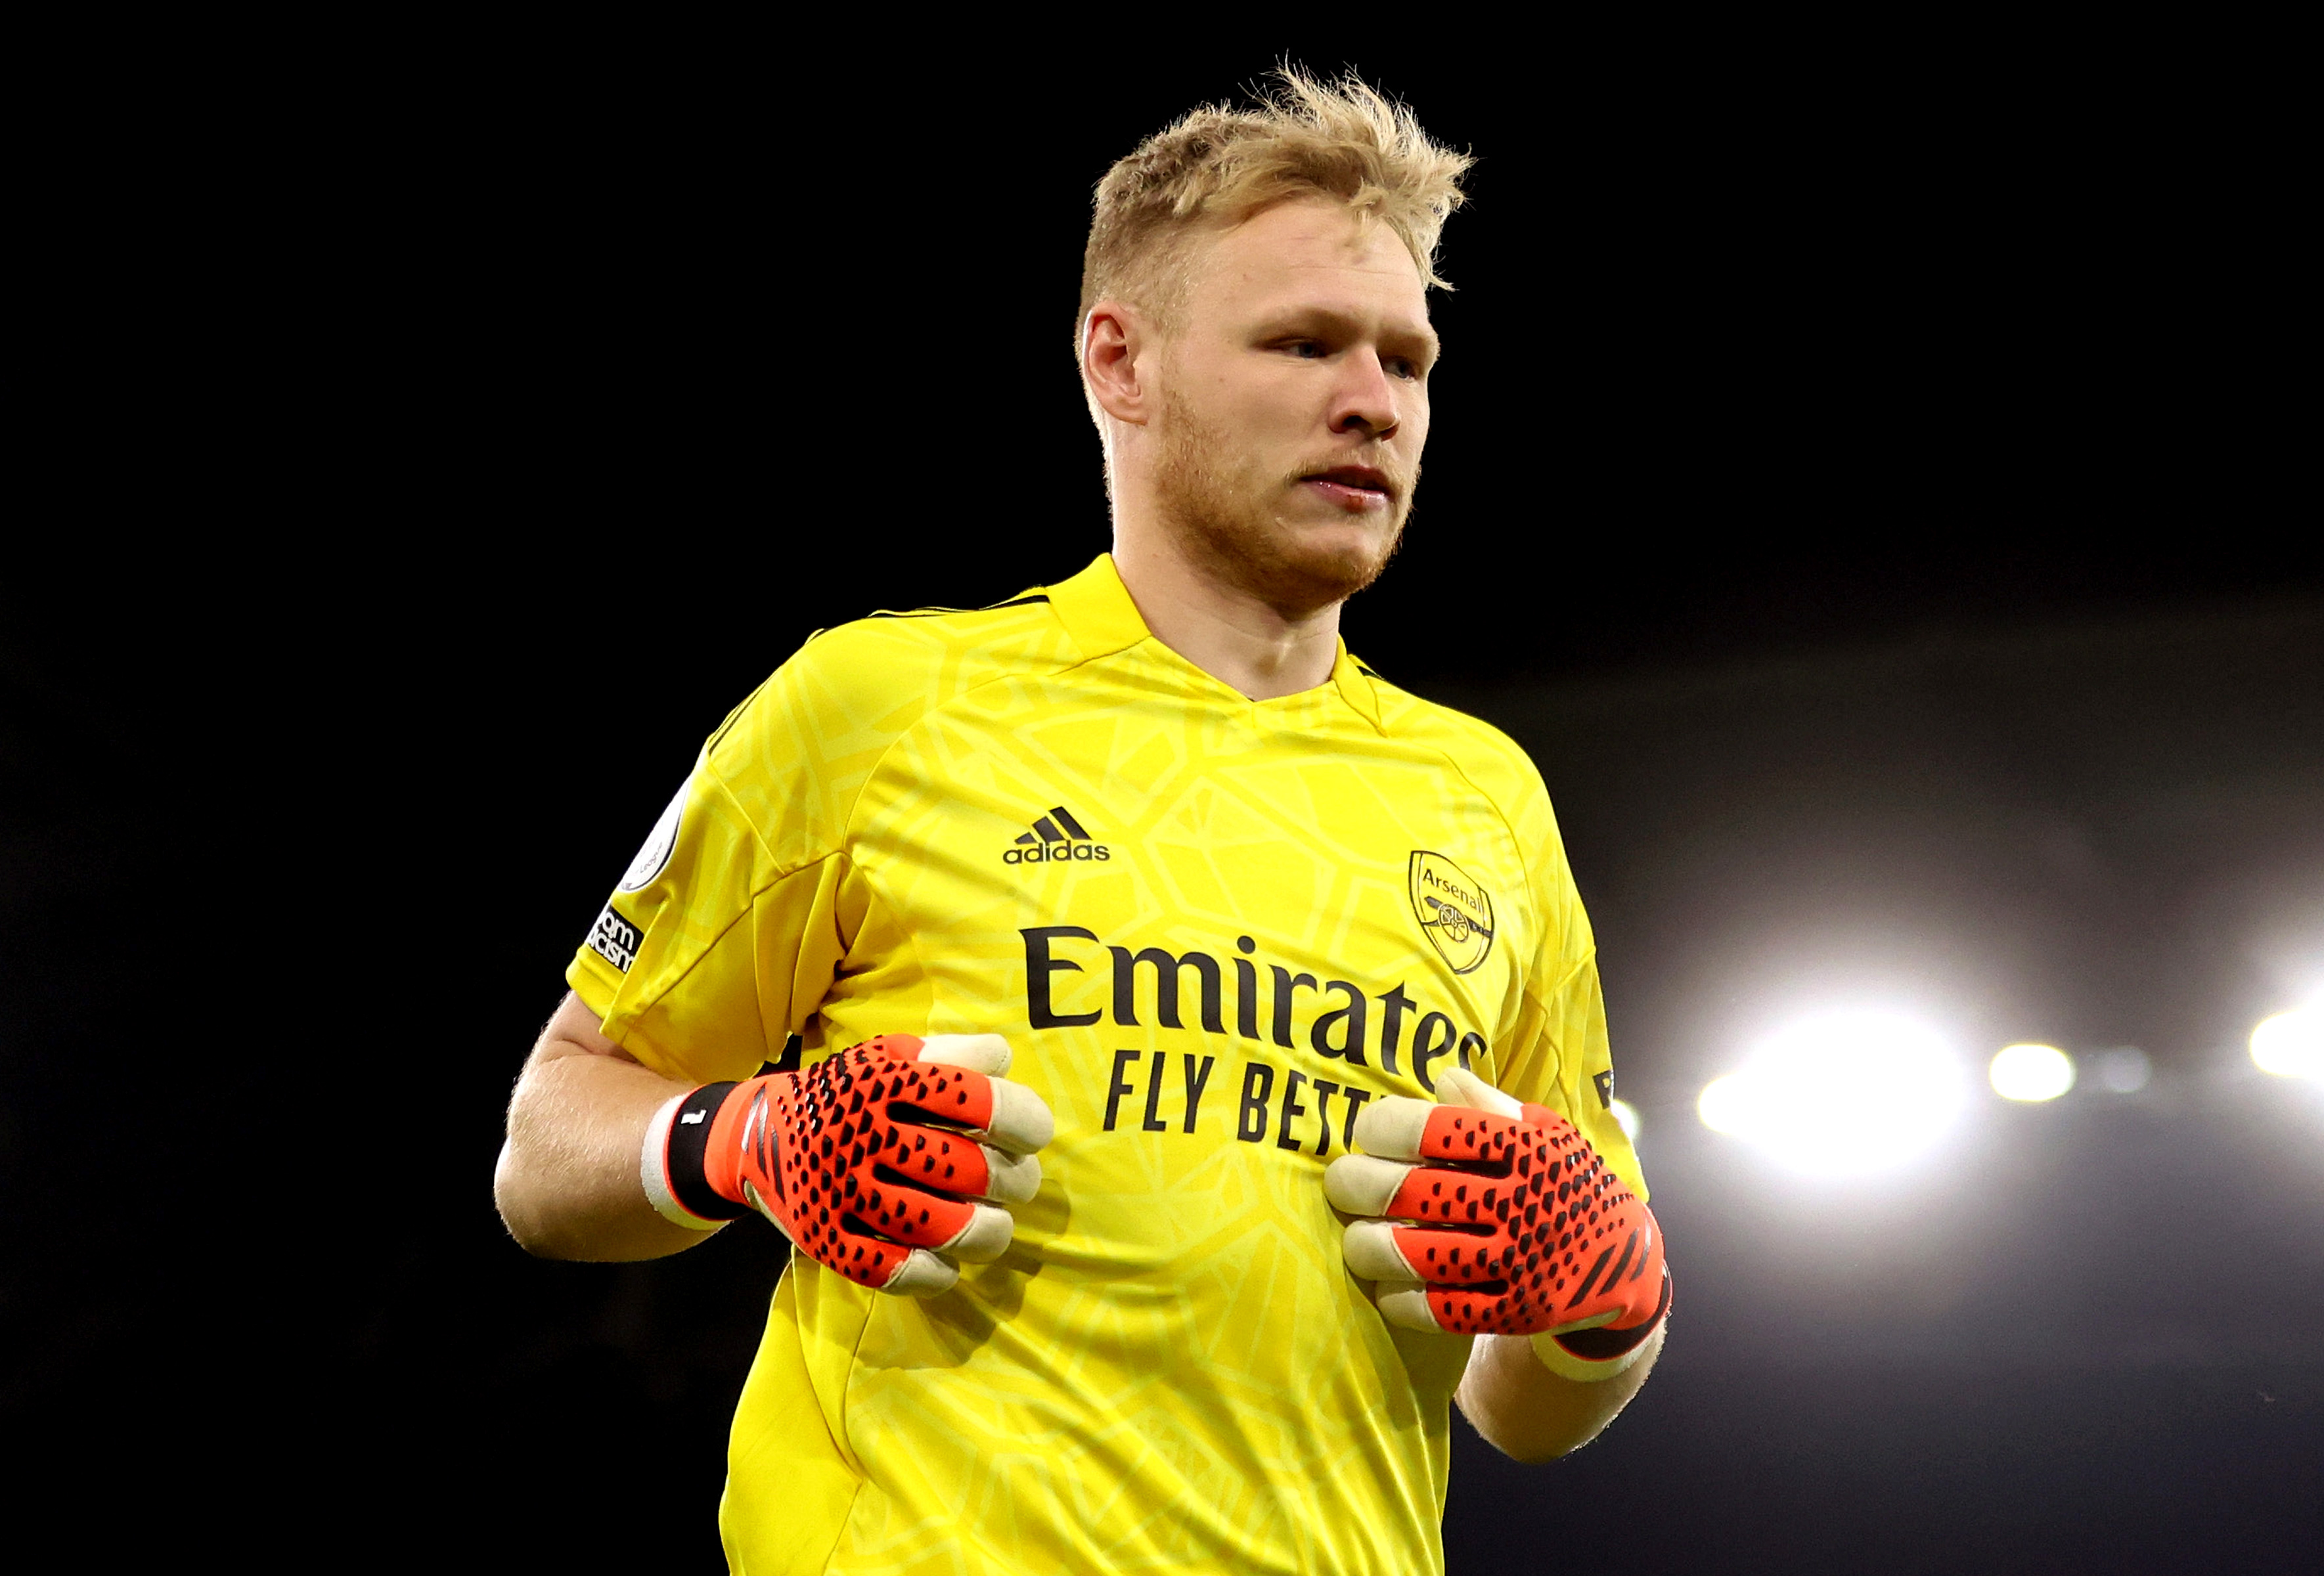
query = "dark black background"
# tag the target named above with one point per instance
(1863, 477)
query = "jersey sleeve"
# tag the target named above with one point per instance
(725, 933)
(1558, 1053)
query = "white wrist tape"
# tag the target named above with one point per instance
(1566, 1365)
(653, 1171)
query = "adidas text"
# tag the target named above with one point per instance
(1055, 837)
(1055, 852)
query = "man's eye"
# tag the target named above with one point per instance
(1398, 367)
(1307, 349)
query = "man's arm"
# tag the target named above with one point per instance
(1533, 1415)
(567, 1182)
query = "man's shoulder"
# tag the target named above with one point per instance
(877, 675)
(971, 644)
(1491, 760)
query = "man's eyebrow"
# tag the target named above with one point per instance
(1298, 319)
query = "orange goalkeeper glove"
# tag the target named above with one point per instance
(872, 1163)
(1515, 1227)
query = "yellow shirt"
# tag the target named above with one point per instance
(1211, 928)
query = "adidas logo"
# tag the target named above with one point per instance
(1055, 837)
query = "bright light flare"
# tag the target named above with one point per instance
(2031, 1072)
(2290, 1044)
(1843, 1092)
(1626, 1116)
(1732, 1104)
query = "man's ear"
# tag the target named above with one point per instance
(1115, 341)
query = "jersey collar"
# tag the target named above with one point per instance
(1100, 619)
(1095, 608)
(1355, 683)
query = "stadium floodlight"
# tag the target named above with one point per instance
(1627, 1116)
(2031, 1072)
(2290, 1044)
(1842, 1093)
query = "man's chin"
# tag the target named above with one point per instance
(1290, 547)
(1302, 566)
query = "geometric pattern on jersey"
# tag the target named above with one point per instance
(1197, 919)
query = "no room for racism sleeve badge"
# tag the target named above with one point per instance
(1454, 912)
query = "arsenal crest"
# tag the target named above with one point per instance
(1454, 912)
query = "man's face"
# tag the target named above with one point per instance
(1293, 403)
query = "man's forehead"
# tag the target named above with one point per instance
(1293, 251)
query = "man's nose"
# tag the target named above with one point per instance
(1365, 399)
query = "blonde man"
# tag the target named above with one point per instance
(1204, 1073)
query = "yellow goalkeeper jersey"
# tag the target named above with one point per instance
(1212, 930)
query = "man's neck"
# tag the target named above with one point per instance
(1237, 639)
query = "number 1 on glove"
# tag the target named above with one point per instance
(884, 1163)
(1500, 1219)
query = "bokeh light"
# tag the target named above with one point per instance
(1842, 1093)
(2031, 1072)
(2124, 1070)
(1627, 1116)
(1729, 1104)
(2290, 1044)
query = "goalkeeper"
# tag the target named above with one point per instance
(1201, 1072)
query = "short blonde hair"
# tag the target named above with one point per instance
(1217, 167)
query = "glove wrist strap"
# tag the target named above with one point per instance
(1592, 1355)
(670, 1162)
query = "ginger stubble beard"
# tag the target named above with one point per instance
(1224, 526)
